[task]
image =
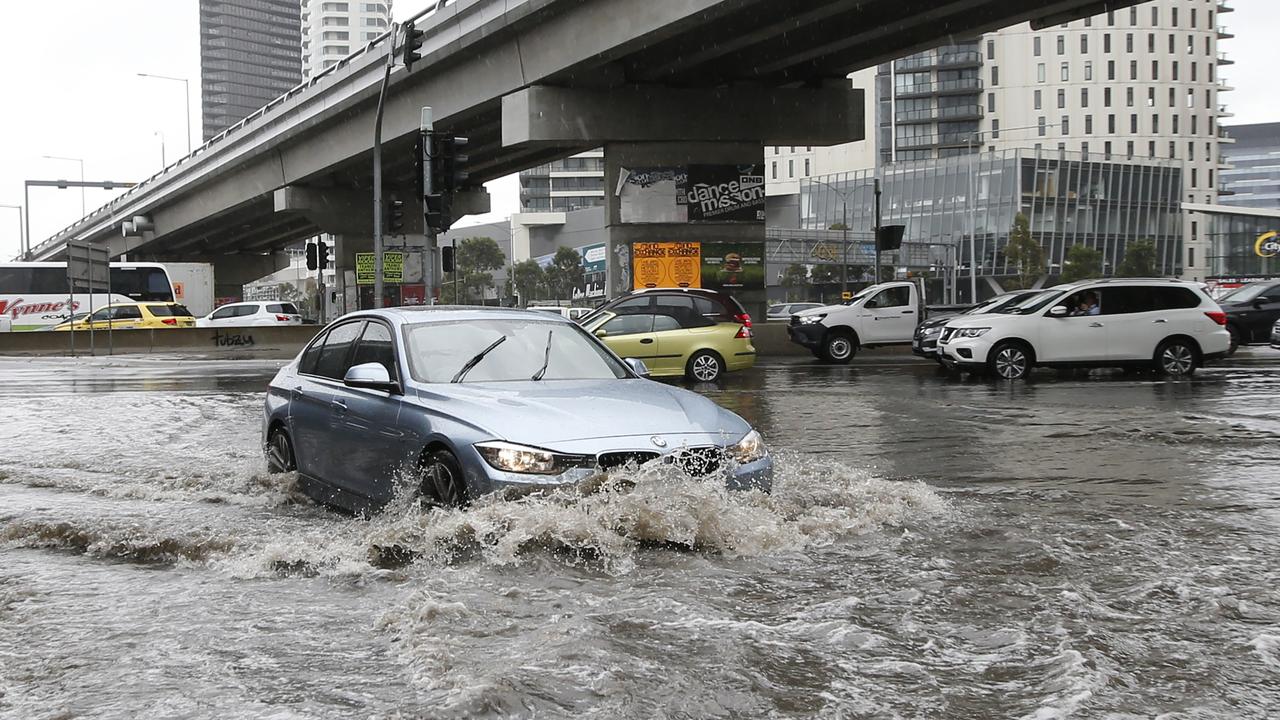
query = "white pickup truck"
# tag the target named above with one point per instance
(884, 314)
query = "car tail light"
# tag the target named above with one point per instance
(169, 321)
(744, 331)
(1217, 316)
(744, 318)
(282, 318)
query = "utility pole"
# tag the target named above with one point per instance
(377, 169)
(425, 125)
(876, 230)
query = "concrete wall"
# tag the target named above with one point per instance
(248, 342)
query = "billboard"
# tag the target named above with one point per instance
(732, 265)
(667, 264)
(723, 193)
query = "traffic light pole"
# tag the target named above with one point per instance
(377, 172)
(425, 126)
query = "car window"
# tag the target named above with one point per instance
(375, 346)
(128, 312)
(311, 356)
(1174, 298)
(682, 310)
(283, 308)
(629, 325)
(169, 310)
(334, 358)
(105, 313)
(631, 306)
(224, 312)
(666, 322)
(1247, 293)
(246, 310)
(899, 296)
(1127, 299)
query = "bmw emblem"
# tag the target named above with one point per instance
(658, 441)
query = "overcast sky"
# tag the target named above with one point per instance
(68, 79)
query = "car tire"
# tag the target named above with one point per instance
(839, 347)
(704, 366)
(1234, 332)
(1010, 361)
(1176, 358)
(279, 451)
(442, 483)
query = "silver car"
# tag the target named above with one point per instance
(469, 401)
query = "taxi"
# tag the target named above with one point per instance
(133, 316)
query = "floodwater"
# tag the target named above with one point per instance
(1089, 546)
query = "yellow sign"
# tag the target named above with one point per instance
(846, 295)
(392, 268)
(1267, 245)
(666, 264)
(823, 251)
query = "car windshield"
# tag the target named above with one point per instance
(1010, 303)
(438, 351)
(1034, 303)
(1245, 294)
(861, 294)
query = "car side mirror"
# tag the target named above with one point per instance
(601, 332)
(371, 376)
(1058, 311)
(637, 366)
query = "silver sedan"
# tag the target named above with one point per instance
(467, 401)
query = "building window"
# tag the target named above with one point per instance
(1175, 124)
(1066, 72)
(1193, 178)
(1133, 69)
(1155, 69)
(1208, 151)
(1128, 152)
(1084, 97)
(1194, 129)
(1088, 69)
(791, 168)
(995, 75)
(1106, 42)
(1040, 126)
(1173, 150)
(1128, 97)
(1084, 150)
(1133, 16)
(1062, 147)
(1210, 177)
(1194, 67)
(991, 49)
(1173, 97)
(1128, 42)
(1036, 98)
(1039, 72)
(1191, 252)
(1106, 97)
(1111, 18)
(1062, 44)
(1065, 125)
(773, 170)
(1088, 124)
(1173, 16)
(1035, 46)
(1133, 123)
(1062, 98)
(1151, 97)
(1151, 149)
(1106, 150)
(807, 167)
(1155, 124)
(1084, 44)
(1173, 71)
(1173, 43)
(1111, 124)
(1111, 69)
(995, 129)
(1155, 17)
(991, 102)
(1151, 43)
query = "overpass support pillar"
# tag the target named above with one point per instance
(699, 205)
(232, 272)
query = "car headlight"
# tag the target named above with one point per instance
(971, 332)
(750, 448)
(523, 459)
(932, 330)
(811, 319)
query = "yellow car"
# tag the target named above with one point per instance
(134, 316)
(699, 334)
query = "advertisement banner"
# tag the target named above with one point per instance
(593, 258)
(723, 193)
(648, 195)
(667, 264)
(733, 266)
(392, 268)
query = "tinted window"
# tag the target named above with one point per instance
(285, 308)
(311, 356)
(631, 306)
(1175, 298)
(127, 312)
(682, 309)
(169, 310)
(375, 346)
(629, 325)
(103, 314)
(244, 310)
(716, 309)
(1124, 300)
(337, 349)
(35, 280)
(893, 297)
(223, 313)
(141, 283)
(666, 322)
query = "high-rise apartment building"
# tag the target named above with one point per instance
(1252, 175)
(573, 183)
(332, 30)
(249, 56)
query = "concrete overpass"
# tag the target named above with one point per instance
(530, 81)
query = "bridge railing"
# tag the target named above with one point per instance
(235, 129)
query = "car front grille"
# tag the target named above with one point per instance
(610, 460)
(795, 320)
(698, 461)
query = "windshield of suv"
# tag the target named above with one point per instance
(439, 350)
(1010, 304)
(1246, 293)
(1034, 303)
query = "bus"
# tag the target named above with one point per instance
(37, 295)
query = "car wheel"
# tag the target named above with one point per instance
(1175, 358)
(704, 366)
(442, 482)
(280, 458)
(1234, 332)
(1010, 361)
(838, 347)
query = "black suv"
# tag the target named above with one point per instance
(1251, 312)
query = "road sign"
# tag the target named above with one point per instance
(392, 268)
(846, 295)
(88, 266)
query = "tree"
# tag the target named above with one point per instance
(1082, 263)
(824, 274)
(1139, 260)
(477, 258)
(565, 273)
(795, 276)
(1024, 253)
(529, 280)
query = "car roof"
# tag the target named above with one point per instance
(705, 291)
(415, 314)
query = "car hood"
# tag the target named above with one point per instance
(983, 320)
(556, 411)
(825, 309)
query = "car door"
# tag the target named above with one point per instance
(222, 316)
(631, 336)
(680, 326)
(1135, 322)
(312, 400)
(1073, 337)
(889, 316)
(126, 317)
(1264, 314)
(369, 445)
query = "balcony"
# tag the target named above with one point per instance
(965, 139)
(911, 64)
(1224, 60)
(1223, 7)
(1223, 112)
(1223, 33)
(958, 87)
(916, 117)
(960, 112)
(918, 141)
(960, 59)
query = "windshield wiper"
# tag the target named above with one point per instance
(476, 360)
(546, 360)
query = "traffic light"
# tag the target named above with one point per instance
(438, 170)
(395, 216)
(411, 50)
(311, 257)
(322, 254)
(446, 258)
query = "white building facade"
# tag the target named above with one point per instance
(331, 30)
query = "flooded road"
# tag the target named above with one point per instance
(1089, 546)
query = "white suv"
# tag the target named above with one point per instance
(1170, 325)
(252, 314)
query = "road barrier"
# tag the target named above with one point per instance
(230, 342)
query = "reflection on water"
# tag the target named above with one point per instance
(1090, 546)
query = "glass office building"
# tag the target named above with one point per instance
(1068, 198)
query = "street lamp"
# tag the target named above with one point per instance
(74, 160)
(186, 86)
(844, 200)
(19, 209)
(160, 134)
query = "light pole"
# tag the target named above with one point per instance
(160, 134)
(186, 86)
(19, 209)
(844, 201)
(74, 160)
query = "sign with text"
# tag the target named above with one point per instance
(648, 195)
(723, 193)
(666, 264)
(392, 268)
(733, 266)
